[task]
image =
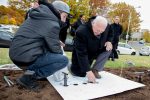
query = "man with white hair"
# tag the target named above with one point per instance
(92, 41)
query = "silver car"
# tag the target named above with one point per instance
(145, 51)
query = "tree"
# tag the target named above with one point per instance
(21, 4)
(12, 21)
(146, 36)
(5, 19)
(99, 6)
(86, 7)
(127, 13)
(11, 15)
(77, 8)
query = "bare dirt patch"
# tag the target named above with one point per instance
(49, 93)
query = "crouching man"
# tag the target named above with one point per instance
(92, 41)
(36, 44)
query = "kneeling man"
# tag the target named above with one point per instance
(92, 41)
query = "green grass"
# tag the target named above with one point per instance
(148, 44)
(121, 62)
(4, 56)
(139, 61)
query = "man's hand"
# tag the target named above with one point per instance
(91, 77)
(108, 46)
(62, 44)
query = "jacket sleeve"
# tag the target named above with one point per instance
(53, 46)
(121, 29)
(110, 33)
(81, 51)
(52, 39)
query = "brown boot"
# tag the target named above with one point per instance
(95, 72)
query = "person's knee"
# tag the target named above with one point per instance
(64, 61)
(109, 52)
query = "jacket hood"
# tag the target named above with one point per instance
(43, 13)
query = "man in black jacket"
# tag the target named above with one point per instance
(36, 44)
(80, 21)
(92, 41)
(117, 30)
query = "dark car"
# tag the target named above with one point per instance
(5, 39)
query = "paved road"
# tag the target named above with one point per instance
(136, 45)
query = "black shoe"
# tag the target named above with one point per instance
(112, 59)
(28, 82)
(96, 74)
(41, 79)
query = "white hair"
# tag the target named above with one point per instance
(100, 20)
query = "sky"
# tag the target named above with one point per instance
(3, 2)
(144, 4)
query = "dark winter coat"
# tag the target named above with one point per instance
(63, 32)
(87, 47)
(117, 30)
(37, 35)
(77, 24)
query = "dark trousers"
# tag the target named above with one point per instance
(114, 54)
(101, 60)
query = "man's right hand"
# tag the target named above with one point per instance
(91, 77)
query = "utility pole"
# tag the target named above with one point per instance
(129, 21)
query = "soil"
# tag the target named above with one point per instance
(49, 93)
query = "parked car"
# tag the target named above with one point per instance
(5, 39)
(141, 42)
(124, 48)
(145, 51)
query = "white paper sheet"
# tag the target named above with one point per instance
(9, 67)
(109, 84)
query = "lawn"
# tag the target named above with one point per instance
(123, 61)
(129, 61)
(148, 44)
(4, 56)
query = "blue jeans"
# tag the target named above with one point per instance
(48, 64)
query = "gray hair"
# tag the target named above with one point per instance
(100, 20)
